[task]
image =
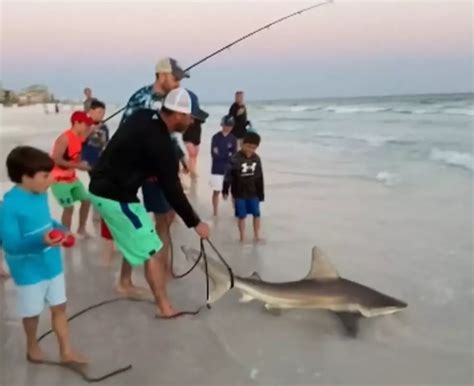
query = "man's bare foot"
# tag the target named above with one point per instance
(73, 358)
(259, 240)
(4, 274)
(35, 354)
(165, 309)
(132, 292)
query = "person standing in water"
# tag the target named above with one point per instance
(223, 147)
(88, 99)
(192, 140)
(238, 111)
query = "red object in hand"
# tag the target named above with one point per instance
(69, 241)
(56, 234)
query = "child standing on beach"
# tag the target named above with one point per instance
(32, 251)
(67, 188)
(245, 179)
(223, 147)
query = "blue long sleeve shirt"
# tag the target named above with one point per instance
(24, 219)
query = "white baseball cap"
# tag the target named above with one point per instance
(184, 101)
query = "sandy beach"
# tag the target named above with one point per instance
(410, 238)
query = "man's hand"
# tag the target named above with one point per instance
(225, 196)
(202, 229)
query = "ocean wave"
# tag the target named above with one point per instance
(372, 140)
(355, 109)
(453, 158)
(387, 178)
(292, 108)
(418, 109)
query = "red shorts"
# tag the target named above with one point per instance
(104, 230)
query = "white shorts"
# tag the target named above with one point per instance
(216, 182)
(32, 299)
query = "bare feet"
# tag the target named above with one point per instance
(259, 240)
(132, 292)
(4, 274)
(34, 354)
(73, 358)
(165, 309)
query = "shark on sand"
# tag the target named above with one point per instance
(322, 288)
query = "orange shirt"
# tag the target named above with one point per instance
(72, 154)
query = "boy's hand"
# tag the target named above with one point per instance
(225, 196)
(83, 165)
(53, 242)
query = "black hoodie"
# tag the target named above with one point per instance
(245, 177)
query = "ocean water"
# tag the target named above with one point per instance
(392, 139)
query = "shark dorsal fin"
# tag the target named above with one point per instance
(321, 267)
(255, 276)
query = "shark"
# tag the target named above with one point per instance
(322, 288)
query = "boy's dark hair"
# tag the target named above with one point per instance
(239, 92)
(97, 104)
(252, 138)
(27, 161)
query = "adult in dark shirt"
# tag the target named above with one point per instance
(88, 99)
(239, 112)
(192, 140)
(141, 148)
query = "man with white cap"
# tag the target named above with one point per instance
(141, 148)
(168, 75)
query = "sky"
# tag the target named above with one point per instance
(347, 48)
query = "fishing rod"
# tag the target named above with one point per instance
(266, 26)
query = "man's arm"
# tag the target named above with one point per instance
(162, 155)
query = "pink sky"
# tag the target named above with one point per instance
(122, 34)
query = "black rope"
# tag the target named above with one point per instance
(266, 26)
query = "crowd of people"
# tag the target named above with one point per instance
(142, 154)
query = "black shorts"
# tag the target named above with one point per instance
(193, 135)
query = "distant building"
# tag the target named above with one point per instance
(34, 94)
(7, 97)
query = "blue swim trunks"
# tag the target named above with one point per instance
(243, 207)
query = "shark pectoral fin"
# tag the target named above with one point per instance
(245, 298)
(274, 310)
(350, 321)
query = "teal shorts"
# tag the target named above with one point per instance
(132, 229)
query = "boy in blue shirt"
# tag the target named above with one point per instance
(33, 256)
(223, 147)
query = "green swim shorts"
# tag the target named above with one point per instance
(131, 227)
(67, 193)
